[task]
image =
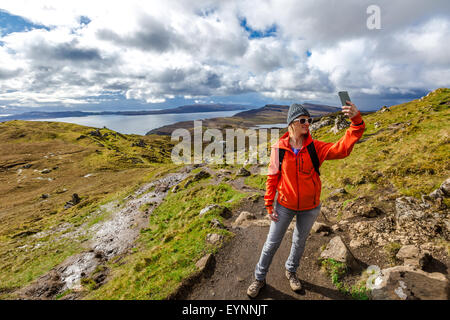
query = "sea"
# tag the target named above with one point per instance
(140, 124)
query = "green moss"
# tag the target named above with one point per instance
(256, 181)
(336, 270)
(344, 204)
(88, 283)
(61, 295)
(391, 250)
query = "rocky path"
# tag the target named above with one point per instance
(234, 265)
(111, 238)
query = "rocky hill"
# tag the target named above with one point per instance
(93, 214)
(269, 114)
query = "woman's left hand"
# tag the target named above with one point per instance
(350, 111)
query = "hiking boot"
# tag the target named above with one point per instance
(293, 281)
(255, 286)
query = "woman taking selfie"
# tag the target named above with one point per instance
(294, 172)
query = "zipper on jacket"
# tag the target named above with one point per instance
(315, 188)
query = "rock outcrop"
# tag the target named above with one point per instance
(411, 255)
(324, 121)
(408, 283)
(337, 250)
(244, 219)
(339, 123)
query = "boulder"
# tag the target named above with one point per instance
(319, 227)
(198, 176)
(325, 121)
(339, 123)
(442, 191)
(408, 283)
(436, 194)
(335, 194)
(242, 172)
(445, 187)
(243, 218)
(337, 250)
(75, 200)
(383, 109)
(205, 262)
(223, 172)
(412, 256)
(95, 133)
(217, 224)
(214, 238)
(201, 175)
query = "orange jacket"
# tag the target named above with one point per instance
(298, 184)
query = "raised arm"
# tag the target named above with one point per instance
(343, 147)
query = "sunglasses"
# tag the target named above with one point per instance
(303, 120)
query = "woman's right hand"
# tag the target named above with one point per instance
(273, 215)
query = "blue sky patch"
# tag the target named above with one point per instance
(85, 20)
(205, 12)
(252, 34)
(10, 23)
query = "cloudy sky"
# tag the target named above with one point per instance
(104, 55)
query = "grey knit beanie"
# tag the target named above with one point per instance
(296, 110)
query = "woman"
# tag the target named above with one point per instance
(299, 186)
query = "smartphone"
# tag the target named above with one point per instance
(344, 97)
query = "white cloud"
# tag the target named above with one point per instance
(155, 51)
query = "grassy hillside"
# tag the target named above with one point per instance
(405, 154)
(97, 167)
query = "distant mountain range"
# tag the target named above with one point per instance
(182, 109)
(269, 114)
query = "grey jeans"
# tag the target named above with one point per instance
(304, 222)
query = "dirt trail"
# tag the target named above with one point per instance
(111, 238)
(235, 262)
